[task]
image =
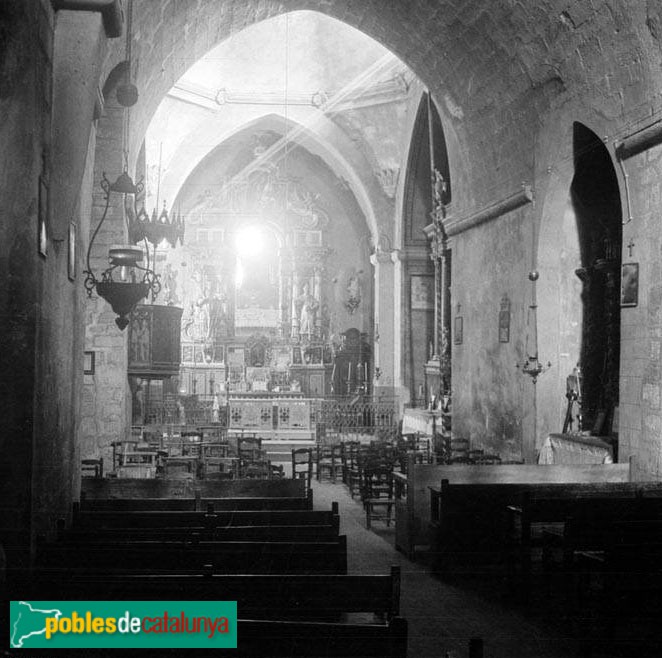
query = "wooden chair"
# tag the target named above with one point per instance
(379, 493)
(302, 464)
(356, 463)
(329, 459)
(180, 468)
(459, 451)
(349, 449)
(253, 460)
(92, 468)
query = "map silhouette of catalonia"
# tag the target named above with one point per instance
(29, 622)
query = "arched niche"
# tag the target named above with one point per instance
(578, 256)
(596, 200)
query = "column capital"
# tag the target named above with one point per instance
(381, 256)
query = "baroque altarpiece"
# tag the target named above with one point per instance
(255, 320)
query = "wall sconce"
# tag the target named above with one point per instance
(125, 282)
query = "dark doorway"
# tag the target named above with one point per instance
(597, 204)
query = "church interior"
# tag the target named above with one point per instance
(337, 297)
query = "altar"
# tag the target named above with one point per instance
(274, 418)
(575, 449)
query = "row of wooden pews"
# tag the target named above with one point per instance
(577, 518)
(286, 566)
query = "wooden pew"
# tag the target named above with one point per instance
(197, 504)
(207, 520)
(298, 533)
(67, 558)
(588, 510)
(296, 639)
(320, 597)
(194, 495)
(413, 512)
(175, 488)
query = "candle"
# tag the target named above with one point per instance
(365, 371)
(349, 372)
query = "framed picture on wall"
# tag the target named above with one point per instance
(630, 284)
(88, 363)
(422, 293)
(42, 218)
(458, 330)
(504, 320)
(71, 252)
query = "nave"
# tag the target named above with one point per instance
(442, 618)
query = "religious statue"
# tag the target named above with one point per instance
(211, 313)
(353, 294)
(309, 307)
(440, 188)
(169, 286)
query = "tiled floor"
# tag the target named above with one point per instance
(442, 618)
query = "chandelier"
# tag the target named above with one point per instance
(125, 282)
(532, 365)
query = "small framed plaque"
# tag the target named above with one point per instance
(71, 252)
(458, 330)
(88, 363)
(630, 284)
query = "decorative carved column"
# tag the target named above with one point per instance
(284, 286)
(295, 295)
(317, 294)
(438, 367)
(384, 320)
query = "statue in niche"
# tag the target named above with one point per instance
(169, 286)
(440, 188)
(212, 312)
(309, 308)
(353, 294)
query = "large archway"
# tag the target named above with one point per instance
(596, 200)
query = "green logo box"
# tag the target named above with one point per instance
(122, 624)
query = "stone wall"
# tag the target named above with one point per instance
(41, 280)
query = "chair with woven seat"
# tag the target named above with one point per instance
(92, 468)
(458, 452)
(379, 494)
(349, 450)
(249, 451)
(487, 459)
(329, 460)
(357, 459)
(302, 464)
(259, 469)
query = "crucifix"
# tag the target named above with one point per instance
(630, 245)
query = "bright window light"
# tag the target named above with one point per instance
(249, 241)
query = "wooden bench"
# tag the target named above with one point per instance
(596, 505)
(298, 533)
(468, 512)
(191, 492)
(66, 558)
(198, 504)
(301, 639)
(258, 596)
(413, 512)
(207, 520)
